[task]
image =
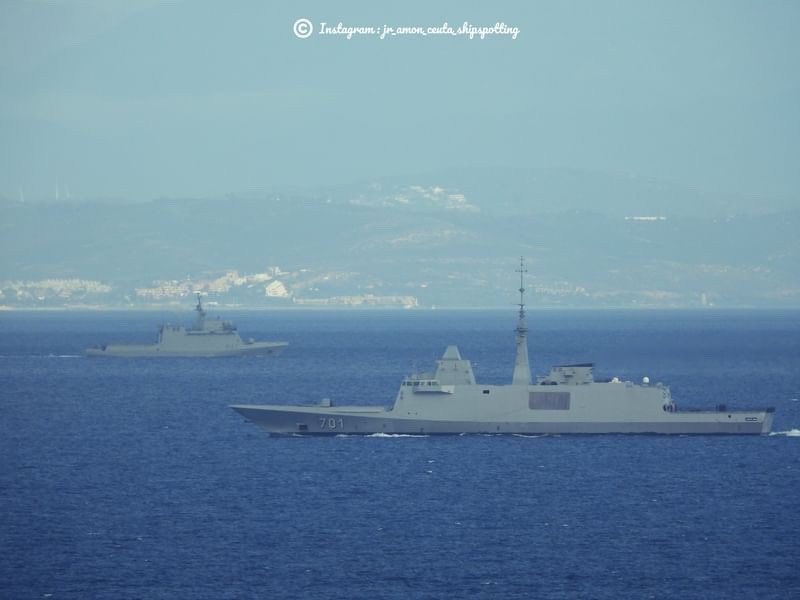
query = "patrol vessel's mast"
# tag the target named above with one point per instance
(522, 370)
(201, 315)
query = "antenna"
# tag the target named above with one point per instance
(522, 270)
(201, 314)
(522, 370)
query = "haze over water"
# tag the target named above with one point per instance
(147, 99)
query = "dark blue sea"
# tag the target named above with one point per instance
(131, 478)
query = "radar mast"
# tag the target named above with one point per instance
(201, 314)
(522, 370)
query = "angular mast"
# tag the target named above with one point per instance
(201, 314)
(522, 370)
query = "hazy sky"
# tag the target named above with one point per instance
(167, 98)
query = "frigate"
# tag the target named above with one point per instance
(206, 337)
(568, 400)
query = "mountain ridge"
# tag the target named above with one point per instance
(438, 242)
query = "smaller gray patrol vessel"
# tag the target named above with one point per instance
(566, 401)
(205, 338)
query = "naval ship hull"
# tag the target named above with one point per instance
(311, 420)
(156, 351)
(568, 400)
(205, 338)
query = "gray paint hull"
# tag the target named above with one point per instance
(286, 420)
(156, 351)
(206, 338)
(566, 401)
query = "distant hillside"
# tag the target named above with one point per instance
(446, 244)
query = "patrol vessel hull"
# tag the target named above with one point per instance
(155, 351)
(205, 338)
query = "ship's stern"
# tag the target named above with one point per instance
(766, 424)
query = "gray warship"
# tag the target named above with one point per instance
(205, 338)
(568, 400)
